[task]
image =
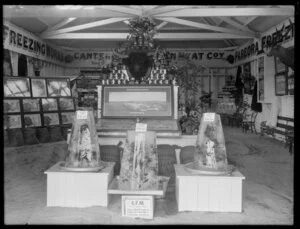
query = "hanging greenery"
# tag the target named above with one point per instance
(141, 32)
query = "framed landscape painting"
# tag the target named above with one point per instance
(31, 105)
(280, 84)
(16, 87)
(58, 87)
(11, 105)
(67, 117)
(49, 104)
(66, 104)
(51, 119)
(32, 120)
(38, 88)
(12, 121)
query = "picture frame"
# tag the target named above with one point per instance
(66, 104)
(58, 87)
(11, 106)
(49, 104)
(12, 121)
(38, 87)
(32, 120)
(291, 84)
(51, 119)
(279, 66)
(280, 84)
(31, 105)
(67, 117)
(16, 87)
(260, 78)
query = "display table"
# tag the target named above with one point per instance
(222, 193)
(78, 189)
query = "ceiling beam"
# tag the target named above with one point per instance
(161, 25)
(204, 26)
(165, 9)
(121, 9)
(61, 24)
(159, 36)
(236, 24)
(250, 20)
(229, 12)
(84, 26)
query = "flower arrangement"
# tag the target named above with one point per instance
(141, 32)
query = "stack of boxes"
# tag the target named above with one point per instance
(119, 75)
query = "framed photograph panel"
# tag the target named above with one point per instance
(32, 120)
(51, 119)
(261, 79)
(279, 66)
(31, 105)
(12, 121)
(38, 87)
(66, 104)
(49, 104)
(67, 117)
(280, 84)
(58, 87)
(11, 105)
(16, 87)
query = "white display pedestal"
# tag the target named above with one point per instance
(136, 211)
(78, 189)
(221, 193)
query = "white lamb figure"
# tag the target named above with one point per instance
(210, 155)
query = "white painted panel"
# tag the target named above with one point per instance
(224, 195)
(236, 196)
(203, 193)
(188, 194)
(214, 195)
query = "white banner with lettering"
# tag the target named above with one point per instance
(20, 41)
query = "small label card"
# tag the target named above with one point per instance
(209, 117)
(81, 114)
(141, 127)
(137, 206)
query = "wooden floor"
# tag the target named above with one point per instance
(267, 190)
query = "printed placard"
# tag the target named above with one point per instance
(141, 127)
(81, 114)
(137, 206)
(209, 117)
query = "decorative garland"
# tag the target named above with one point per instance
(141, 32)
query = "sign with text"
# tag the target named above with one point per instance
(81, 115)
(19, 40)
(137, 206)
(209, 117)
(141, 127)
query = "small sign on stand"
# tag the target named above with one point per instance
(138, 206)
(141, 127)
(209, 117)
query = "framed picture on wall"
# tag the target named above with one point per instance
(38, 87)
(11, 105)
(58, 87)
(67, 117)
(12, 121)
(49, 104)
(16, 87)
(279, 66)
(260, 78)
(51, 119)
(280, 84)
(66, 104)
(291, 84)
(32, 120)
(31, 105)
